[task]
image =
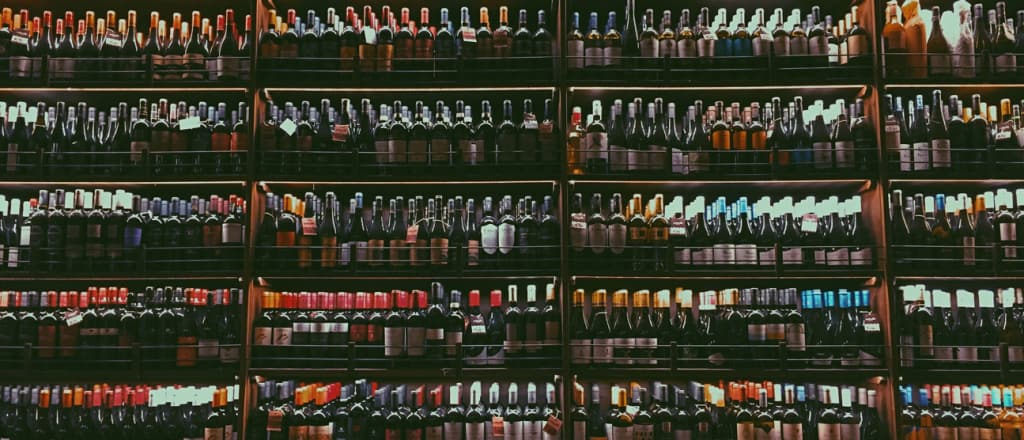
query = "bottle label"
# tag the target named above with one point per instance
(967, 353)
(612, 56)
(434, 433)
(757, 333)
(706, 47)
(851, 431)
(439, 150)
(941, 155)
(577, 54)
(798, 46)
(345, 254)
(209, 349)
(775, 333)
(1005, 63)
(792, 430)
(579, 430)
(795, 337)
(838, 257)
(604, 350)
(506, 238)
(231, 233)
(725, 253)
(622, 350)
(701, 257)
(282, 336)
(922, 156)
(597, 146)
(829, 431)
(1008, 234)
(746, 254)
(680, 162)
(453, 431)
(643, 432)
(213, 434)
(686, 48)
(593, 56)
(618, 158)
(475, 431)
(817, 45)
(622, 433)
(394, 341)
(229, 354)
(766, 256)
(926, 340)
(597, 234)
(415, 338)
(989, 434)
(856, 45)
(845, 151)
(489, 238)
(582, 351)
(376, 252)
(861, 257)
(969, 252)
(552, 330)
(578, 231)
(617, 238)
(745, 431)
(451, 340)
(513, 430)
(472, 252)
(417, 151)
(792, 256)
(362, 251)
(822, 155)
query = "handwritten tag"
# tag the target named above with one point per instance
(553, 426)
(411, 233)
(20, 36)
(498, 426)
(469, 35)
(288, 126)
(872, 323)
(73, 318)
(113, 38)
(274, 420)
(810, 223)
(190, 123)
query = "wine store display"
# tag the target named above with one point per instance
(77, 411)
(727, 410)
(396, 138)
(103, 326)
(962, 329)
(390, 42)
(374, 329)
(948, 232)
(373, 410)
(725, 140)
(965, 42)
(85, 231)
(109, 50)
(160, 138)
(653, 237)
(726, 327)
(985, 411)
(954, 137)
(438, 233)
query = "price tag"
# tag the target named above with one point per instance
(497, 426)
(274, 419)
(411, 233)
(73, 318)
(341, 132)
(810, 223)
(553, 426)
(288, 126)
(190, 123)
(872, 323)
(20, 36)
(113, 38)
(469, 35)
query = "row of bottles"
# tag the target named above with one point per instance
(723, 139)
(729, 326)
(953, 138)
(323, 328)
(946, 231)
(371, 411)
(87, 231)
(740, 409)
(179, 327)
(720, 235)
(127, 411)
(397, 42)
(719, 41)
(964, 329)
(966, 42)
(421, 235)
(961, 411)
(112, 49)
(160, 138)
(419, 138)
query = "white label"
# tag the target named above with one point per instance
(288, 126)
(844, 154)
(922, 156)
(701, 257)
(941, 155)
(1008, 233)
(506, 238)
(862, 257)
(597, 146)
(906, 157)
(725, 253)
(838, 257)
(792, 256)
(193, 122)
(578, 231)
(766, 257)
(489, 238)
(582, 351)
(829, 431)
